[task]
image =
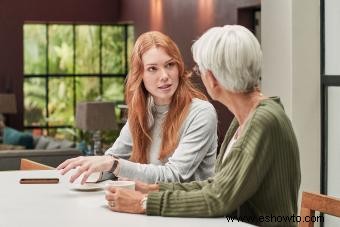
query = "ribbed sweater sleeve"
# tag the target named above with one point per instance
(261, 173)
(194, 185)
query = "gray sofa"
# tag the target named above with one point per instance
(43, 149)
(10, 159)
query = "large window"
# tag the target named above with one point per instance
(66, 64)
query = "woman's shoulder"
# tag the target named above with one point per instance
(199, 104)
(201, 114)
(271, 108)
(202, 109)
(270, 113)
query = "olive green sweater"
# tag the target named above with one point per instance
(258, 180)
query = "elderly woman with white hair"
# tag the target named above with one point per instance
(257, 175)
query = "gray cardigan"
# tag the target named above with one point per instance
(193, 159)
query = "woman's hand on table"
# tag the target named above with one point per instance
(86, 166)
(124, 200)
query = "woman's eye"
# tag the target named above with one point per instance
(152, 69)
(170, 65)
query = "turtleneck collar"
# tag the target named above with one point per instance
(161, 109)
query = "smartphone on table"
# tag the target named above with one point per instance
(39, 181)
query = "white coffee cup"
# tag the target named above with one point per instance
(121, 184)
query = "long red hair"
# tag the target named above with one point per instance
(136, 98)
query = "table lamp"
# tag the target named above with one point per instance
(96, 117)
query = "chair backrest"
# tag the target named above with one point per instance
(312, 202)
(26, 164)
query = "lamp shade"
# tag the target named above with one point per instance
(96, 116)
(8, 103)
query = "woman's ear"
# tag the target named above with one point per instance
(215, 87)
(213, 83)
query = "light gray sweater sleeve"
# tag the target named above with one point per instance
(122, 147)
(198, 142)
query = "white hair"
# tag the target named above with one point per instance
(233, 54)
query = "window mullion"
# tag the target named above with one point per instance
(47, 79)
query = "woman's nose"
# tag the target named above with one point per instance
(164, 74)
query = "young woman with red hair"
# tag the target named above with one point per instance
(170, 134)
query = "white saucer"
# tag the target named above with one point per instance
(87, 186)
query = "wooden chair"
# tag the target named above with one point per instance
(26, 164)
(312, 202)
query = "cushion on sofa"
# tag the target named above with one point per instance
(45, 142)
(15, 137)
(42, 142)
(66, 144)
(53, 144)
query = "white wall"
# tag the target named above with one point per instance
(276, 39)
(291, 48)
(306, 88)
